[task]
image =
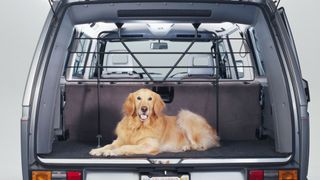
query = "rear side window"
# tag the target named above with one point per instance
(81, 54)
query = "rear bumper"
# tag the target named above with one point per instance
(148, 161)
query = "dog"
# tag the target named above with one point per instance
(145, 129)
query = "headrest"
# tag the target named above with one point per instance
(118, 60)
(200, 60)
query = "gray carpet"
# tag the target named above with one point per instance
(228, 149)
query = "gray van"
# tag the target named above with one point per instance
(234, 62)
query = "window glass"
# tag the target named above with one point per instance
(80, 56)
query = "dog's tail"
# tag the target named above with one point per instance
(198, 131)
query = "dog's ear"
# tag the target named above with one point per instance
(129, 105)
(159, 105)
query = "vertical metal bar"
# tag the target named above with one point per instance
(136, 59)
(178, 61)
(217, 58)
(99, 136)
(217, 52)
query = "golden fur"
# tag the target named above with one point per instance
(144, 129)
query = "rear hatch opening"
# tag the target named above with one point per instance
(220, 70)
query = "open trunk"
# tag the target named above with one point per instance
(239, 108)
(217, 69)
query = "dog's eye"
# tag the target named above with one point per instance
(150, 98)
(139, 98)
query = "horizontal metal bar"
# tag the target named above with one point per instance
(155, 53)
(142, 38)
(211, 80)
(112, 39)
(157, 67)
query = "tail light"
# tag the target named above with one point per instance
(61, 175)
(73, 175)
(288, 175)
(273, 174)
(256, 175)
(41, 175)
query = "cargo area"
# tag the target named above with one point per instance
(238, 124)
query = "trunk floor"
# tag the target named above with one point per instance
(228, 149)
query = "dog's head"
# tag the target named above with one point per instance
(144, 104)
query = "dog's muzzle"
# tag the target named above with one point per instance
(143, 115)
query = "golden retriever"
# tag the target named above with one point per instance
(144, 129)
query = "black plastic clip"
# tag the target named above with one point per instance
(99, 137)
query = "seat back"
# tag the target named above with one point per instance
(198, 60)
(239, 107)
(120, 65)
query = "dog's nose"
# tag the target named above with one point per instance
(144, 108)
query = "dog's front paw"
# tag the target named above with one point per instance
(185, 148)
(109, 153)
(199, 147)
(96, 152)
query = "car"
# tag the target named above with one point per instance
(233, 62)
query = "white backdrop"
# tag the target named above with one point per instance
(21, 24)
(303, 17)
